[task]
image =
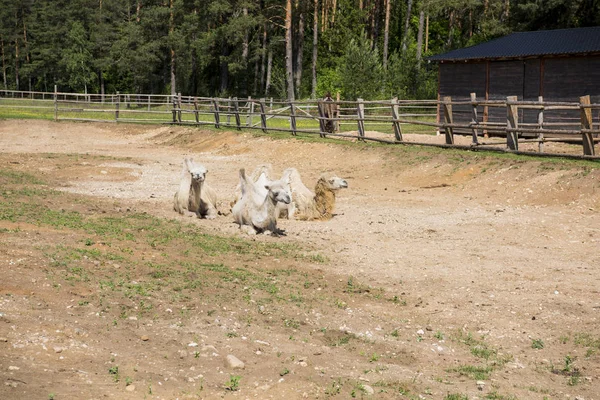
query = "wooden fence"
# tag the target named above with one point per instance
(462, 124)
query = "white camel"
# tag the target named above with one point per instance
(261, 177)
(194, 196)
(258, 211)
(318, 205)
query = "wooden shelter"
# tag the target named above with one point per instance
(556, 65)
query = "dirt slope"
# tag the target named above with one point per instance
(480, 257)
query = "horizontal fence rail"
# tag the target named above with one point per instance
(499, 125)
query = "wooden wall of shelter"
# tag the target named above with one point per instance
(561, 78)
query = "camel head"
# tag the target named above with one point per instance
(278, 193)
(333, 182)
(197, 171)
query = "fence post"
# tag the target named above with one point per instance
(250, 112)
(474, 117)
(512, 123)
(236, 109)
(55, 103)
(117, 106)
(174, 111)
(292, 118)
(147, 102)
(196, 114)
(263, 116)
(448, 120)
(321, 111)
(216, 113)
(179, 108)
(228, 111)
(395, 122)
(541, 125)
(360, 112)
(586, 126)
(337, 113)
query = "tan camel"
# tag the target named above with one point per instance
(318, 205)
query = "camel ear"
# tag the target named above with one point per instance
(189, 163)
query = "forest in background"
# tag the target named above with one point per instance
(265, 48)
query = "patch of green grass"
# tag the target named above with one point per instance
(233, 383)
(587, 340)
(393, 386)
(334, 388)
(353, 286)
(11, 177)
(479, 373)
(114, 371)
(497, 396)
(537, 344)
(456, 396)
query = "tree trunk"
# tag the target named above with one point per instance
(224, 68)
(377, 20)
(269, 67)
(25, 41)
(313, 93)
(372, 27)
(420, 37)
(171, 31)
(323, 6)
(17, 63)
(139, 7)
(245, 42)
(450, 29)
(506, 11)
(427, 33)
(333, 11)
(289, 51)
(300, 49)
(386, 33)
(406, 25)
(263, 57)
(3, 64)
(101, 80)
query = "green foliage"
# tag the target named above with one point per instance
(233, 384)
(361, 71)
(537, 344)
(220, 47)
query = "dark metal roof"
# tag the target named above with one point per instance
(528, 44)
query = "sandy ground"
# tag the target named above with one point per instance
(505, 249)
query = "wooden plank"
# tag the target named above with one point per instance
(174, 110)
(179, 107)
(512, 124)
(293, 119)
(541, 125)
(55, 103)
(216, 113)
(196, 113)
(360, 111)
(250, 112)
(236, 109)
(263, 116)
(321, 109)
(474, 117)
(229, 111)
(448, 120)
(586, 124)
(395, 123)
(117, 107)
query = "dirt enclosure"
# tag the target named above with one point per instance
(443, 274)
